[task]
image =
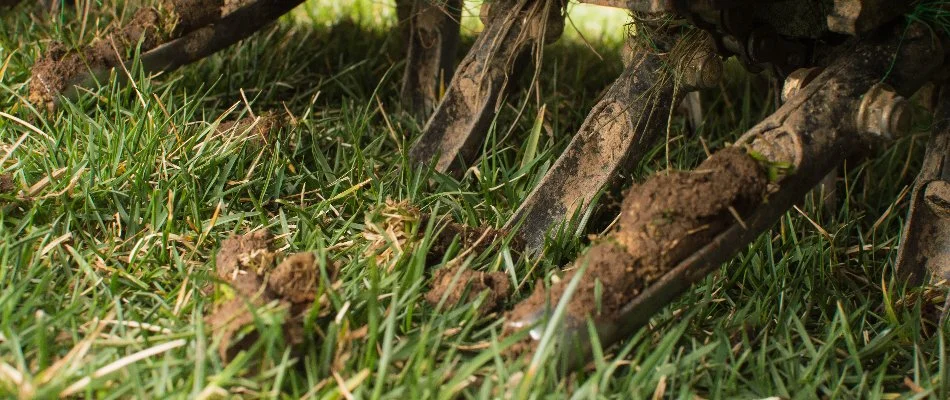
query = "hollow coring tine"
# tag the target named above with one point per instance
(239, 20)
(619, 130)
(461, 121)
(431, 30)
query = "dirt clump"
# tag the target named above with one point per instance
(663, 220)
(189, 15)
(246, 264)
(250, 252)
(6, 184)
(296, 278)
(471, 239)
(260, 130)
(468, 286)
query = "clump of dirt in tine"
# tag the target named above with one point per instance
(151, 26)
(246, 264)
(663, 220)
(468, 286)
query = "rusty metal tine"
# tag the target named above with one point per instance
(432, 35)
(458, 127)
(619, 130)
(205, 41)
(925, 243)
(810, 133)
(200, 42)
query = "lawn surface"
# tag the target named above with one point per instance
(107, 253)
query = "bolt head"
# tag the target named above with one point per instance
(711, 71)
(883, 113)
(899, 120)
(797, 80)
(703, 71)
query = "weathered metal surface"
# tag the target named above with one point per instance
(925, 244)
(622, 127)
(432, 35)
(458, 127)
(199, 42)
(884, 113)
(240, 23)
(797, 80)
(810, 133)
(854, 17)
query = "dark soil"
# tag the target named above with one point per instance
(193, 14)
(6, 184)
(469, 285)
(296, 279)
(471, 282)
(246, 264)
(662, 221)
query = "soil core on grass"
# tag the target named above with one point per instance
(470, 282)
(6, 184)
(296, 278)
(260, 130)
(246, 264)
(662, 221)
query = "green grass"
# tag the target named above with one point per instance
(144, 191)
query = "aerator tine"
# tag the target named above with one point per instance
(171, 35)
(925, 247)
(675, 228)
(431, 32)
(619, 130)
(458, 127)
